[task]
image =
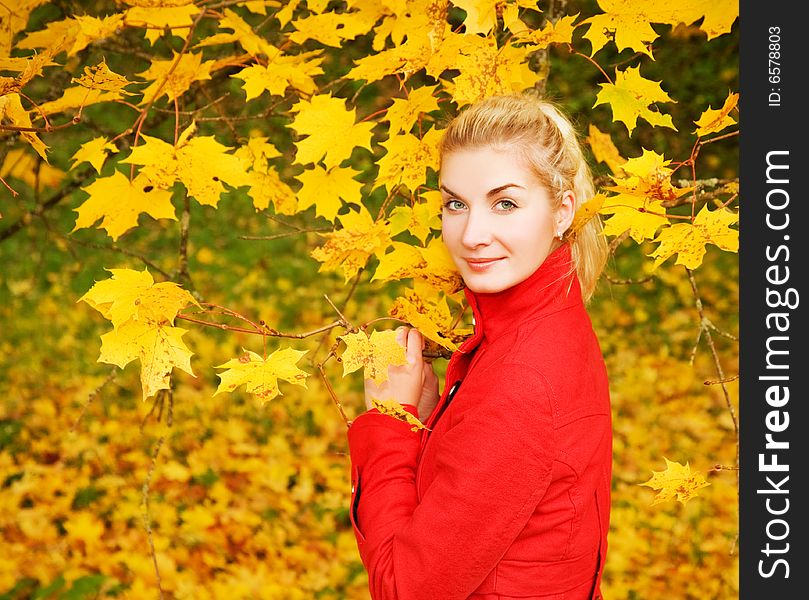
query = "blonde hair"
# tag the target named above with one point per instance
(549, 144)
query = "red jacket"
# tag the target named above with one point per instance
(508, 496)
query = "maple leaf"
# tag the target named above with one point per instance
(688, 240)
(638, 204)
(405, 112)
(714, 121)
(174, 77)
(260, 376)
(481, 16)
(351, 246)
(73, 34)
(243, 33)
(77, 96)
(11, 110)
(28, 68)
(267, 186)
(486, 70)
(330, 29)
(403, 261)
(587, 211)
(439, 270)
(280, 73)
(159, 347)
(14, 20)
(628, 23)
(604, 150)
(432, 318)
(327, 190)
(133, 295)
(373, 354)
(201, 163)
(676, 482)
(94, 152)
(407, 160)
(394, 409)
(157, 18)
(100, 77)
(119, 202)
(331, 131)
(142, 314)
(630, 98)
(419, 219)
(560, 32)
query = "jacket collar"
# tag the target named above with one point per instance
(553, 286)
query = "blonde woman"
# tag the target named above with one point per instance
(507, 496)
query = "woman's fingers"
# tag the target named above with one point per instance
(415, 344)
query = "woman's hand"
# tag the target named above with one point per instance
(414, 383)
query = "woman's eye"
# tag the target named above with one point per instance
(506, 205)
(453, 205)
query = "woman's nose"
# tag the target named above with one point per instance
(477, 230)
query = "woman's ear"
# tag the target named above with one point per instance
(566, 211)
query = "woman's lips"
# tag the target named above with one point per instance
(481, 264)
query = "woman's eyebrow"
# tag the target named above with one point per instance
(490, 193)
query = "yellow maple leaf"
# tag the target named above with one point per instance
(403, 261)
(587, 211)
(418, 219)
(100, 77)
(407, 160)
(439, 270)
(77, 96)
(431, 317)
(260, 376)
(73, 34)
(688, 240)
(94, 152)
(27, 67)
(373, 354)
(173, 81)
(243, 33)
(352, 245)
(560, 32)
(628, 22)
(278, 75)
(486, 70)
(630, 98)
(394, 409)
(331, 131)
(201, 163)
(13, 19)
(266, 186)
(157, 18)
(327, 190)
(133, 295)
(405, 112)
(11, 110)
(676, 482)
(142, 314)
(118, 202)
(481, 15)
(159, 346)
(637, 205)
(604, 150)
(330, 29)
(714, 121)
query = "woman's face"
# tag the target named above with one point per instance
(497, 222)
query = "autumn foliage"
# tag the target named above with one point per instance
(207, 205)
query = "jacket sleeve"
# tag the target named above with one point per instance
(493, 464)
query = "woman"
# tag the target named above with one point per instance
(508, 495)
